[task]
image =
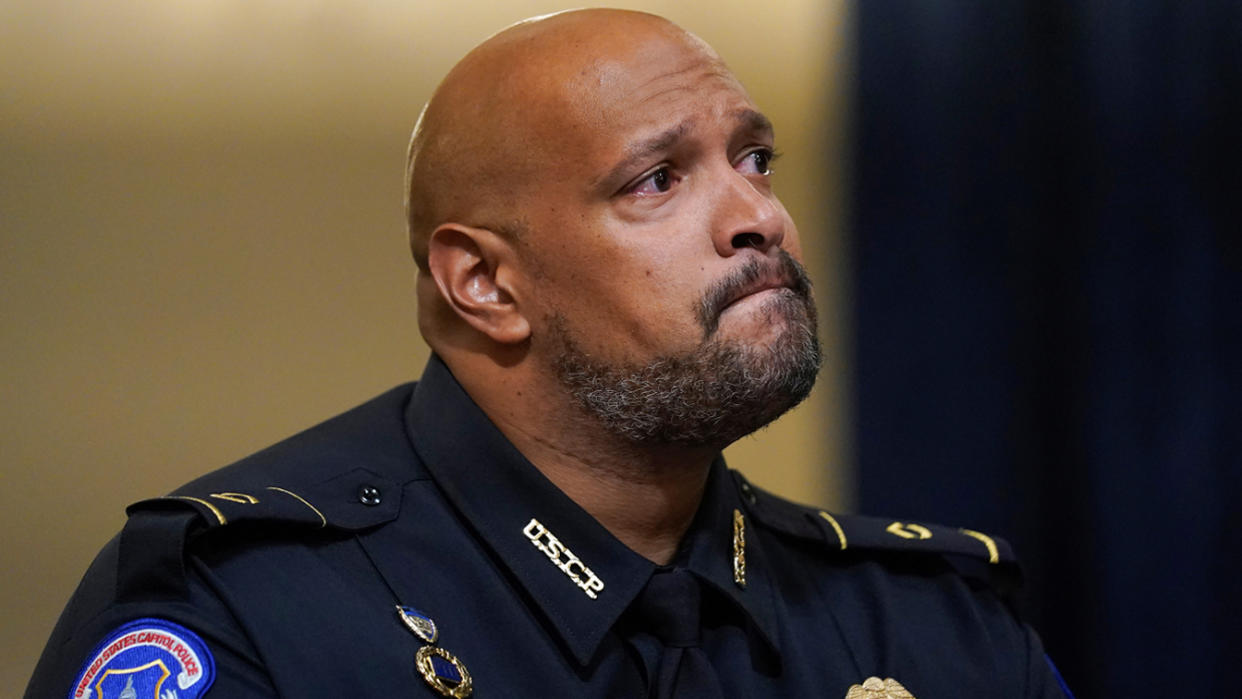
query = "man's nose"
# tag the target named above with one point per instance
(748, 216)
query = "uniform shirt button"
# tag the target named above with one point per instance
(748, 493)
(369, 495)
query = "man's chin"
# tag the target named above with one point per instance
(763, 318)
(719, 392)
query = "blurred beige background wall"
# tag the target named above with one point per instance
(201, 243)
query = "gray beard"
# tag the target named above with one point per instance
(711, 396)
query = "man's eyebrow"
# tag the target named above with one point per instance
(641, 150)
(755, 121)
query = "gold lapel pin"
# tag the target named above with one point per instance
(739, 549)
(876, 688)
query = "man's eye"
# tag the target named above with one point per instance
(657, 182)
(758, 161)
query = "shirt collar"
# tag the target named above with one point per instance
(709, 551)
(553, 547)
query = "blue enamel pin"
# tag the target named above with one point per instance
(419, 623)
(147, 659)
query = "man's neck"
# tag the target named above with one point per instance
(645, 496)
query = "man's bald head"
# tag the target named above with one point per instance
(513, 107)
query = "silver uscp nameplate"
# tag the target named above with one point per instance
(564, 559)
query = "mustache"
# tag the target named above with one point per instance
(752, 275)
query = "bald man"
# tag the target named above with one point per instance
(613, 294)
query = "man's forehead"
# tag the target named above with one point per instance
(586, 57)
(618, 102)
(658, 70)
(648, 85)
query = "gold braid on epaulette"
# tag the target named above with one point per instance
(841, 532)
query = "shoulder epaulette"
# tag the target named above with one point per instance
(351, 501)
(839, 532)
(343, 475)
(151, 557)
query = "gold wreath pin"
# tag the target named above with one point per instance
(876, 688)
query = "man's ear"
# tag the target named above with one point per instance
(474, 270)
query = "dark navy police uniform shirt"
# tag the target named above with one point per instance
(288, 567)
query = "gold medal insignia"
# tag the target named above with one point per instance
(443, 671)
(875, 688)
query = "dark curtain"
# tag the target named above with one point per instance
(1047, 217)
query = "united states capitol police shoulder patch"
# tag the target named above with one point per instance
(147, 659)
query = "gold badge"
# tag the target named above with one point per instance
(875, 688)
(739, 549)
(443, 671)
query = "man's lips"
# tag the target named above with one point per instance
(758, 288)
(752, 278)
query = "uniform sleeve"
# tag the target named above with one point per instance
(95, 613)
(1043, 679)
